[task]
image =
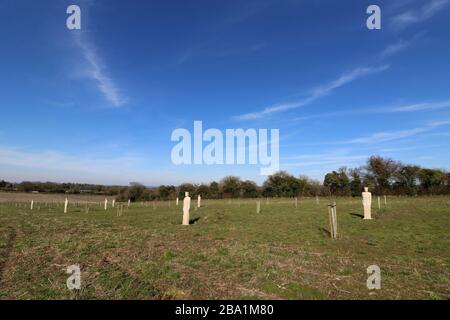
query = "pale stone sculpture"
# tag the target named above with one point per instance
(367, 203)
(177, 201)
(32, 202)
(113, 203)
(258, 206)
(186, 207)
(66, 202)
(106, 204)
(199, 201)
(129, 201)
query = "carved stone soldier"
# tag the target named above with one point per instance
(367, 203)
(186, 207)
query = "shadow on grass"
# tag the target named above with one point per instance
(325, 232)
(357, 215)
(194, 220)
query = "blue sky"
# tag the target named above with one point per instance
(99, 105)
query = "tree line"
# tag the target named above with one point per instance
(384, 176)
(53, 187)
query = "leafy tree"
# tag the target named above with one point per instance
(407, 179)
(267, 190)
(431, 180)
(249, 189)
(148, 195)
(356, 182)
(231, 185)
(135, 191)
(302, 186)
(381, 172)
(202, 190)
(166, 192)
(337, 182)
(315, 187)
(214, 191)
(281, 184)
(447, 183)
(186, 187)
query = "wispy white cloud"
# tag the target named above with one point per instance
(415, 107)
(388, 136)
(410, 148)
(395, 47)
(400, 45)
(316, 93)
(96, 71)
(336, 158)
(396, 135)
(418, 107)
(327, 89)
(411, 17)
(347, 78)
(439, 123)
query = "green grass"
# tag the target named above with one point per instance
(231, 252)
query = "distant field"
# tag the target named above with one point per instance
(230, 252)
(50, 197)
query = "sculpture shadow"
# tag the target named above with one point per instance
(325, 231)
(357, 215)
(194, 220)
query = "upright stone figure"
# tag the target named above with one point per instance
(367, 203)
(177, 201)
(186, 207)
(199, 201)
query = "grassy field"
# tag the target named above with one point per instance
(230, 252)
